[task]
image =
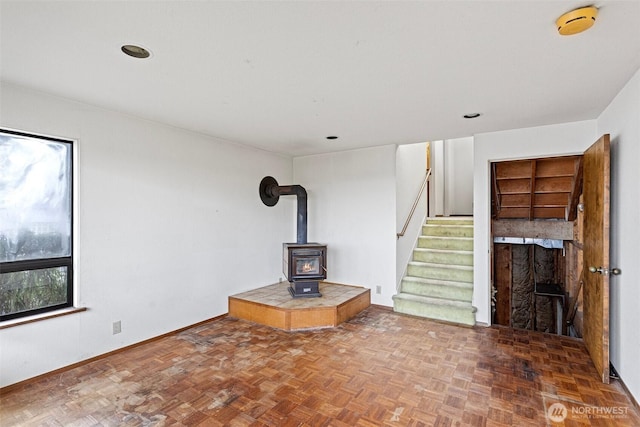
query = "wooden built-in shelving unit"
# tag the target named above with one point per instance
(537, 188)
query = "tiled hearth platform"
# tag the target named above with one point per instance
(273, 306)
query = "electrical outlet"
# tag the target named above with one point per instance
(117, 327)
(378, 289)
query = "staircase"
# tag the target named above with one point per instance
(439, 279)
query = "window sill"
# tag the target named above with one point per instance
(38, 317)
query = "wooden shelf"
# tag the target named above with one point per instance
(537, 188)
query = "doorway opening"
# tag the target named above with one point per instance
(537, 244)
(564, 198)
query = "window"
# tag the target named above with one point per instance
(36, 253)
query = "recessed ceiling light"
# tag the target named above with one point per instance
(135, 51)
(332, 137)
(471, 115)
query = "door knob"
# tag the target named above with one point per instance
(605, 271)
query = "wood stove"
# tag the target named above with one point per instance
(304, 264)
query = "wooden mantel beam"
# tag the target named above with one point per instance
(538, 229)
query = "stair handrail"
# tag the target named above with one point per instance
(415, 204)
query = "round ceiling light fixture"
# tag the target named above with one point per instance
(135, 51)
(471, 116)
(577, 21)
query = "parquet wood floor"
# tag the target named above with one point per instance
(379, 368)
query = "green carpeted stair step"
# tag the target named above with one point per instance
(458, 273)
(447, 230)
(450, 220)
(443, 242)
(458, 291)
(443, 256)
(435, 308)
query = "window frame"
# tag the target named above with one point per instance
(44, 263)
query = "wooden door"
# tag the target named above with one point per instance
(595, 191)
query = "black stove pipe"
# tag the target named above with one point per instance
(270, 193)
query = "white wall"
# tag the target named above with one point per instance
(352, 208)
(544, 141)
(437, 183)
(169, 225)
(621, 119)
(411, 167)
(458, 176)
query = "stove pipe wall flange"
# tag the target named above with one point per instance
(270, 193)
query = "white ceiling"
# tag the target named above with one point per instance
(281, 76)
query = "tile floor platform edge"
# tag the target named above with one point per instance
(273, 306)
